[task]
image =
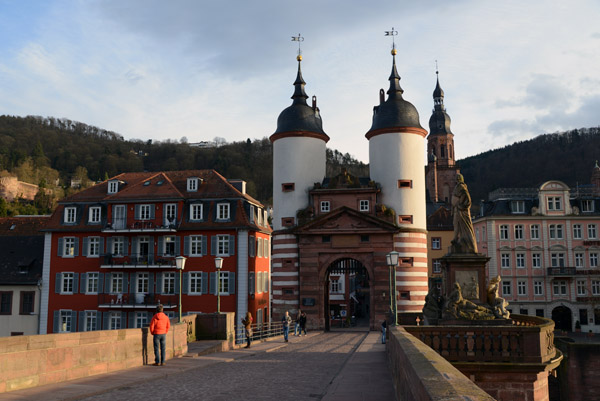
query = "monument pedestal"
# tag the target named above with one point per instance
(468, 269)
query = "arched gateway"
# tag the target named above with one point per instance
(347, 293)
(562, 318)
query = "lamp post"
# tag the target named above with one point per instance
(180, 265)
(218, 266)
(392, 262)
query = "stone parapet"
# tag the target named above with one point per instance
(29, 361)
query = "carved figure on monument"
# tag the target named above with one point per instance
(497, 303)
(432, 310)
(457, 307)
(472, 289)
(464, 236)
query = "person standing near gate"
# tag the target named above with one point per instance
(247, 322)
(286, 321)
(303, 323)
(297, 330)
(159, 327)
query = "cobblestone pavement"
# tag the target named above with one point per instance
(300, 370)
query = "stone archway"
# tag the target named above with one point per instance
(346, 294)
(563, 318)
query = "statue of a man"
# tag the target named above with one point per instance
(464, 236)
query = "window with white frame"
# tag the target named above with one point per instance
(196, 211)
(168, 284)
(557, 259)
(577, 232)
(506, 288)
(266, 248)
(595, 287)
(538, 288)
(266, 281)
(517, 206)
(170, 213)
(224, 282)
(587, 206)
(68, 246)
(195, 283)
(196, 245)
(593, 259)
(142, 283)
(91, 320)
(116, 283)
(222, 211)
(437, 266)
(68, 280)
(364, 205)
(534, 231)
(93, 279)
(505, 260)
(95, 214)
(70, 214)
(169, 245)
(325, 206)
(519, 232)
(503, 232)
(559, 287)
(192, 184)
(113, 187)
(335, 285)
(145, 212)
(65, 322)
(556, 231)
(521, 287)
(592, 232)
(554, 203)
(536, 260)
(94, 246)
(118, 246)
(222, 245)
(114, 321)
(520, 259)
(259, 282)
(579, 259)
(436, 243)
(581, 290)
(141, 319)
(259, 247)
(259, 217)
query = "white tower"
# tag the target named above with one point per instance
(396, 157)
(299, 155)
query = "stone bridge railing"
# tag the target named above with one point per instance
(529, 340)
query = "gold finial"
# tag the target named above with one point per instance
(298, 39)
(392, 33)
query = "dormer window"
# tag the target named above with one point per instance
(70, 214)
(222, 211)
(325, 206)
(517, 206)
(554, 203)
(95, 214)
(192, 184)
(113, 187)
(587, 206)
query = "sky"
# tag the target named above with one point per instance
(167, 70)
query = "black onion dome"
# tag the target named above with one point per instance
(300, 116)
(439, 122)
(438, 92)
(395, 111)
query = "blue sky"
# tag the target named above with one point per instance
(159, 70)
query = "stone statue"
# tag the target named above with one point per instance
(497, 303)
(472, 289)
(456, 307)
(432, 310)
(464, 236)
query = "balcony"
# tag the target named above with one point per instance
(137, 301)
(562, 271)
(138, 226)
(136, 261)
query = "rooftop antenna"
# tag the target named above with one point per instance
(298, 39)
(392, 33)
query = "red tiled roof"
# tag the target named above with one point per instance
(23, 225)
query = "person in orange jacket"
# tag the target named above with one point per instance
(159, 327)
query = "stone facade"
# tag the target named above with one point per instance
(11, 189)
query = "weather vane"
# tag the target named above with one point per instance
(392, 33)
(298, 39)
(436, 68)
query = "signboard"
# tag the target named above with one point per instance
(308, 302)
(343, 313)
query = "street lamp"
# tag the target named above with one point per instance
(218, 266)
(180, 265)
(392, 262)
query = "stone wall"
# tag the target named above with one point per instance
(579, 373)
(29, 361)
(11, 188)
(421, 374)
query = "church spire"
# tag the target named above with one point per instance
(438, 93)
(299, 95)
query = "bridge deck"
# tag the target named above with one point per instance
(330, 366)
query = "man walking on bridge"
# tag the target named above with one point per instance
(286, 321)
(159, 327)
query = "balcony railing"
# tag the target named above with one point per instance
(137, 300)
(134, 260)
(122, 225)
(561, 271)
(529, 340)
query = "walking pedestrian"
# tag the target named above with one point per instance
(247, 322)
(286, 320)
(303, 322)
(383, 329)
(297, 331)
(159, 327)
